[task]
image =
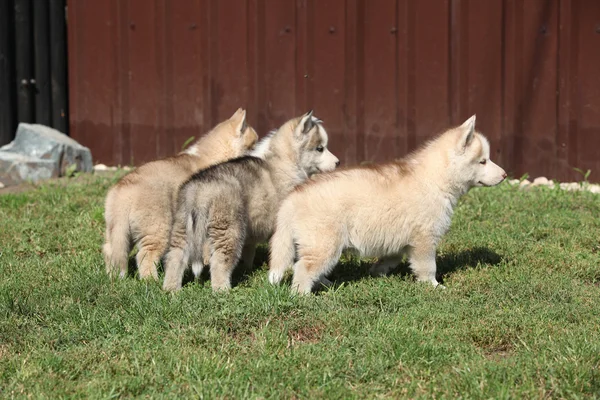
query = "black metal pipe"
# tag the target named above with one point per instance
(23, 60)
(41, 49)
(58, 65)
(7, 75)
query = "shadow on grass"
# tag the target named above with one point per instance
(240, 274)
(132, 267)
(352, 268)
(356, 269)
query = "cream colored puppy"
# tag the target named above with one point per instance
(139, 208)
(381, 210)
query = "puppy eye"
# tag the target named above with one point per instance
(482, 162)
(320, 149)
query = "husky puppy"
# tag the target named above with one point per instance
(139, 208)
(233, 205)
(380, 210)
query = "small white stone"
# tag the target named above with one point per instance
(100, 167)
(594, 188)
(1, 185)
(514, 182)
(524, 183)
(541, 181)
(571, 186)
(567, 185)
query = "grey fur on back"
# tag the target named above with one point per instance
(243, 184)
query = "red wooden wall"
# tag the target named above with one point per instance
(384, 75)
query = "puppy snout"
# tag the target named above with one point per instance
(504, 175)
(337, 163)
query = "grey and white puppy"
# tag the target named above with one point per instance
(230, 207)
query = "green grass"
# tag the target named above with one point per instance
(520, 317)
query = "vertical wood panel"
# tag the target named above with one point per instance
(479, 85)
(162, 22)
(186, 105)
(120, 118)
(304, 46)
(379, 85)
(407, 85)
(512, 82)
(231, 74)
(327, 72)
(586, 108)
(94, 98)
(144, 80)
(568, 55)
(431, 64)
(252, 104)
(534, 30)
(404, 30)
(279, 73)
(352, 85)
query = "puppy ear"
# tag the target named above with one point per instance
(307, 122)
(236, 115)
(240, 120)
(468, 132)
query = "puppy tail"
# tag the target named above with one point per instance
(185, 244)
(118, 237)
(196, 231)
(282, 247)
(188, 236)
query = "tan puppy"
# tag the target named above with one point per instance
(381, 210)
(139, 208)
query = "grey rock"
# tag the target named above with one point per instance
(39, 141)
(18, 168)
(39, 152)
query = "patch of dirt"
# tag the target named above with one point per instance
(306, 334)
(498, 352)
(240, 335)
(24, 187)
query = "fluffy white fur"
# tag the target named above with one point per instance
(381, 211)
